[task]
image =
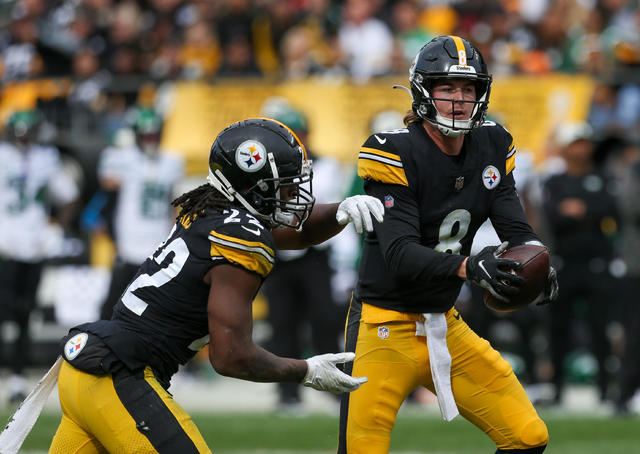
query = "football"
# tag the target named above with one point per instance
(534, 270)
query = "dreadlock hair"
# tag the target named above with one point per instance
(199, 199)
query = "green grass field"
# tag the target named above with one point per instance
(250, 433)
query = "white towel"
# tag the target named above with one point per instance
(26, 415)
(435, 326)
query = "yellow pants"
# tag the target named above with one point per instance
(396, 360)
(121, 414)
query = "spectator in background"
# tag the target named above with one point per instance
(199, 57)
(21, 59)
(581, 213)
(407, 28)
(302, 312)
(630, 213)
(31, 183)
(238, 59)
(138, 179)
(89, 81)
(366, 43)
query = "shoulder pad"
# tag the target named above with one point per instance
(379, 160)
(240, 238)
(503, 139)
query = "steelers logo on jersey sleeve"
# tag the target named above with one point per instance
(251, 156)
(490, 177)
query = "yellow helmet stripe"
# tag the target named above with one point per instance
(304, 150)
(462, 53)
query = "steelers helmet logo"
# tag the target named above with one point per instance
(251, 156)
(490, 177)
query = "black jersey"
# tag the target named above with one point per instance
(434, 204)
(161, 318)
(585, 238)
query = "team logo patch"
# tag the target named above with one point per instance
(490, 177)
(251, 156)
(388, 201)
(74, 346)
(383, 332)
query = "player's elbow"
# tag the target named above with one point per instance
(400, 263)
(226, 367)
(229, 363)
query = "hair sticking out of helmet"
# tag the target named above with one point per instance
(261, 165)
(449, 58)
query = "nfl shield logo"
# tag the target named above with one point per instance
(383, 332)
(388, 201)
(459, 183)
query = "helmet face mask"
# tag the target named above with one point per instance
(261, 165)
(442, 59)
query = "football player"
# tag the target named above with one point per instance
(32, 180)
(440, 178)
(196, 289)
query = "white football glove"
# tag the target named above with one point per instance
(358, 209)
(323, 375)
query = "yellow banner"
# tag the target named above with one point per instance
(340, 113)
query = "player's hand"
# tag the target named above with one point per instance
(358, 209)
(550, 293)
(490, 272)
(323, 375)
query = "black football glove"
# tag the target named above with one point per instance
(550, 293)
(490, 272)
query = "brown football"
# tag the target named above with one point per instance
(534, 270)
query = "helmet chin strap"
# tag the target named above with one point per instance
(450, 131)
(218, 181)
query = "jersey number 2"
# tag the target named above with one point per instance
(160, 277)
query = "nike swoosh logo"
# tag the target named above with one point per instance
(382, 141)
(481, 265)
(255, 232)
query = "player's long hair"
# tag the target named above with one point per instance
(411, 117)
(198, 200)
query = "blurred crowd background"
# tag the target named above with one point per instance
(126, 96)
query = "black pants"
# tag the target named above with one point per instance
(583, 295)
(18, 286)
(121, 276)
(630, 369)
(299, 295)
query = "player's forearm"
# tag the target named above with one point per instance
(418, 263)
(259, 365)
(320, 226)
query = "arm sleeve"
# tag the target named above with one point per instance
(400, 239)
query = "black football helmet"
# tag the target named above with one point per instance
(252, 160)
(446, 57)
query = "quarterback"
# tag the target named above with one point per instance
(439, 179)
(197, 288)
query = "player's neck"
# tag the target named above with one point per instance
(451, 146)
